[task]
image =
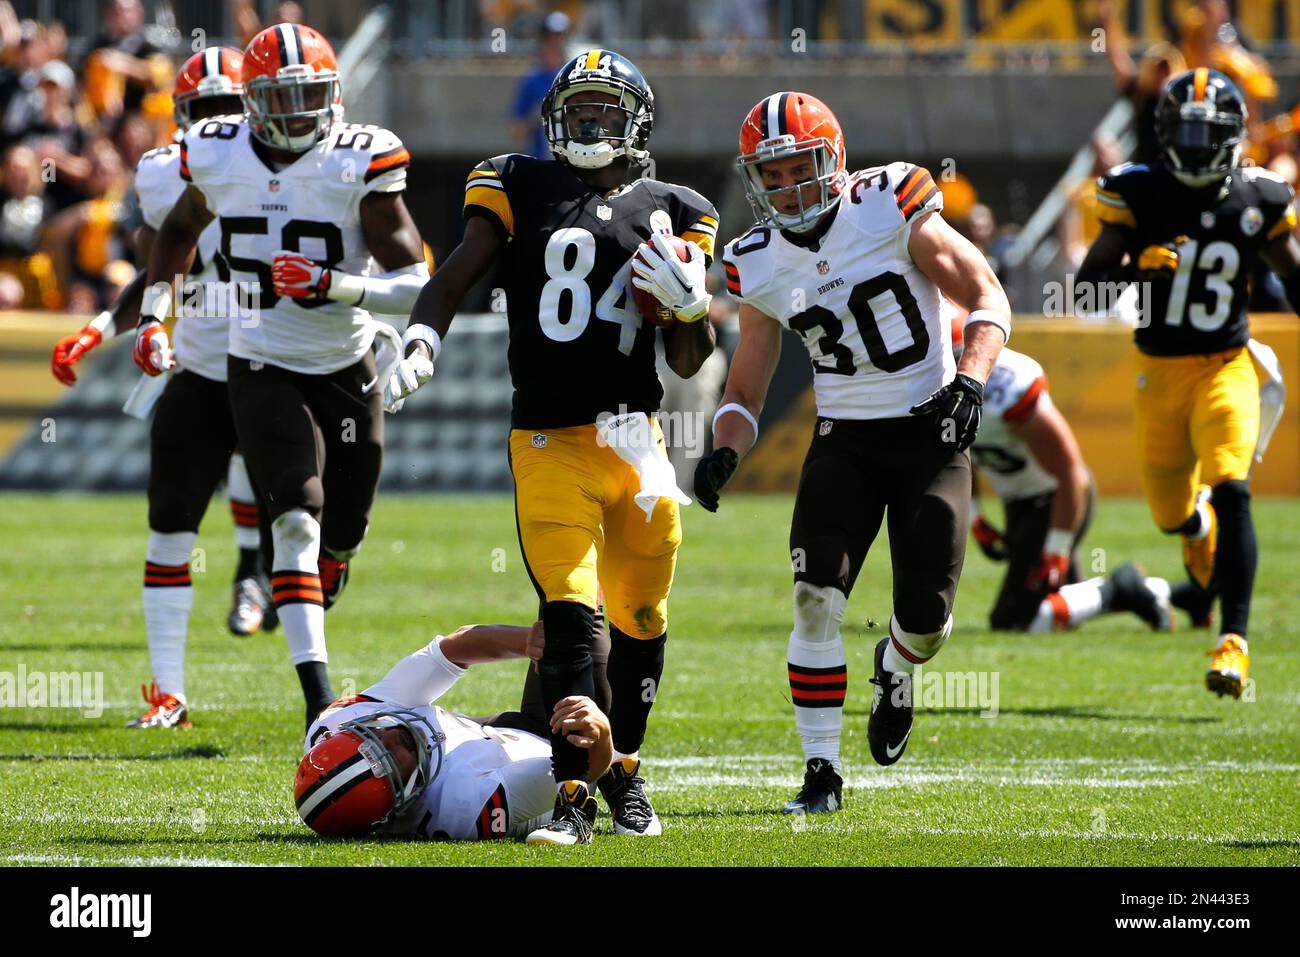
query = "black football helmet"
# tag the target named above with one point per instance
(590, 134)
(1201, 124)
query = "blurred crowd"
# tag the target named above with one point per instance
(72, 130)
(72, 127)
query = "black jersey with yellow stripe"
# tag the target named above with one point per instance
(578, 346)
(1199, 287)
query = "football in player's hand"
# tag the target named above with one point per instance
(651, 309)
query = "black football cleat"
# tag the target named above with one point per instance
(571, 822)
(890, 724)
(1198, 602)
(1132, 594)
(624, 791)
(822, 790)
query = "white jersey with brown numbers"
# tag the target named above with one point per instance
(869, 317)
(202, 333)
(1015, 391)
(312, 206)
(491, 783)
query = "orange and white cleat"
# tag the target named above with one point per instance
(1230, 668)
(167, 711)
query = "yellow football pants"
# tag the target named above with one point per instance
(580, 529)
(1197, 424)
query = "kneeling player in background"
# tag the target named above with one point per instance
(1026, 450)
(390, 759)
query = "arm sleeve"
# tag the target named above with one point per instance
(391, 293)
(419, 679)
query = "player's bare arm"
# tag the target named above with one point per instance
(688, 344)
(170, 257)
(441, 296)
(959, 269)
(391, 234)
(480, 644)
(1053, 445)
(735, 428)
(172, 250)
(123, 315)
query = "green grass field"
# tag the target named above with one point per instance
(1106, 749)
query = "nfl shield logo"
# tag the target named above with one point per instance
(274, 186)
(824, 427)
(1207, 220)
(823, 267)
(539, 441)
(604, 212)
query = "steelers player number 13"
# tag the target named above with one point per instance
(1219, 262)
(564, 308)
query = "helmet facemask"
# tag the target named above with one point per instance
(206, 89)
(827, 175)
(428, 748)
(591, 134)
(1204, 144)
(295, 110)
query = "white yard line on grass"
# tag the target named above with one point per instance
(78, 860)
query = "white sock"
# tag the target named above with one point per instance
(243, 505)
(1203, 513)
(817, 670)
(907, 649)
(1083, 600)
(295, 585)
(168, 597)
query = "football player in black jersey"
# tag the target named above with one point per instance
(566, 231)
(1194, 227)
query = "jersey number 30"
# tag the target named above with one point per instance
(837, 357)
(570, 257)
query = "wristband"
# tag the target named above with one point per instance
(422, 333)
(990, 316)
(346, 288)
(1059, 541)
(738, 409)
(101, 322)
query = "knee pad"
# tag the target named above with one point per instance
(297, 541)
(918, 647)
(818, 612)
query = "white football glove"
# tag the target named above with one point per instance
(678, 285)
(411, 373)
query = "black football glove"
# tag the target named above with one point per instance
(713, 472)
(955, 412)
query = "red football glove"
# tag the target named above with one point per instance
(298, 277)
(1049, 574)
(69, 350)
(153, 353)
(989, 539)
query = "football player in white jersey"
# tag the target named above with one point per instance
(390, 759)
(856, 264)
(306, 206)
(1027, 452)
(192, 435)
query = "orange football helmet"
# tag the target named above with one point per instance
(216, 71)
(349, 783)
(292, 92)
(787, 124)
